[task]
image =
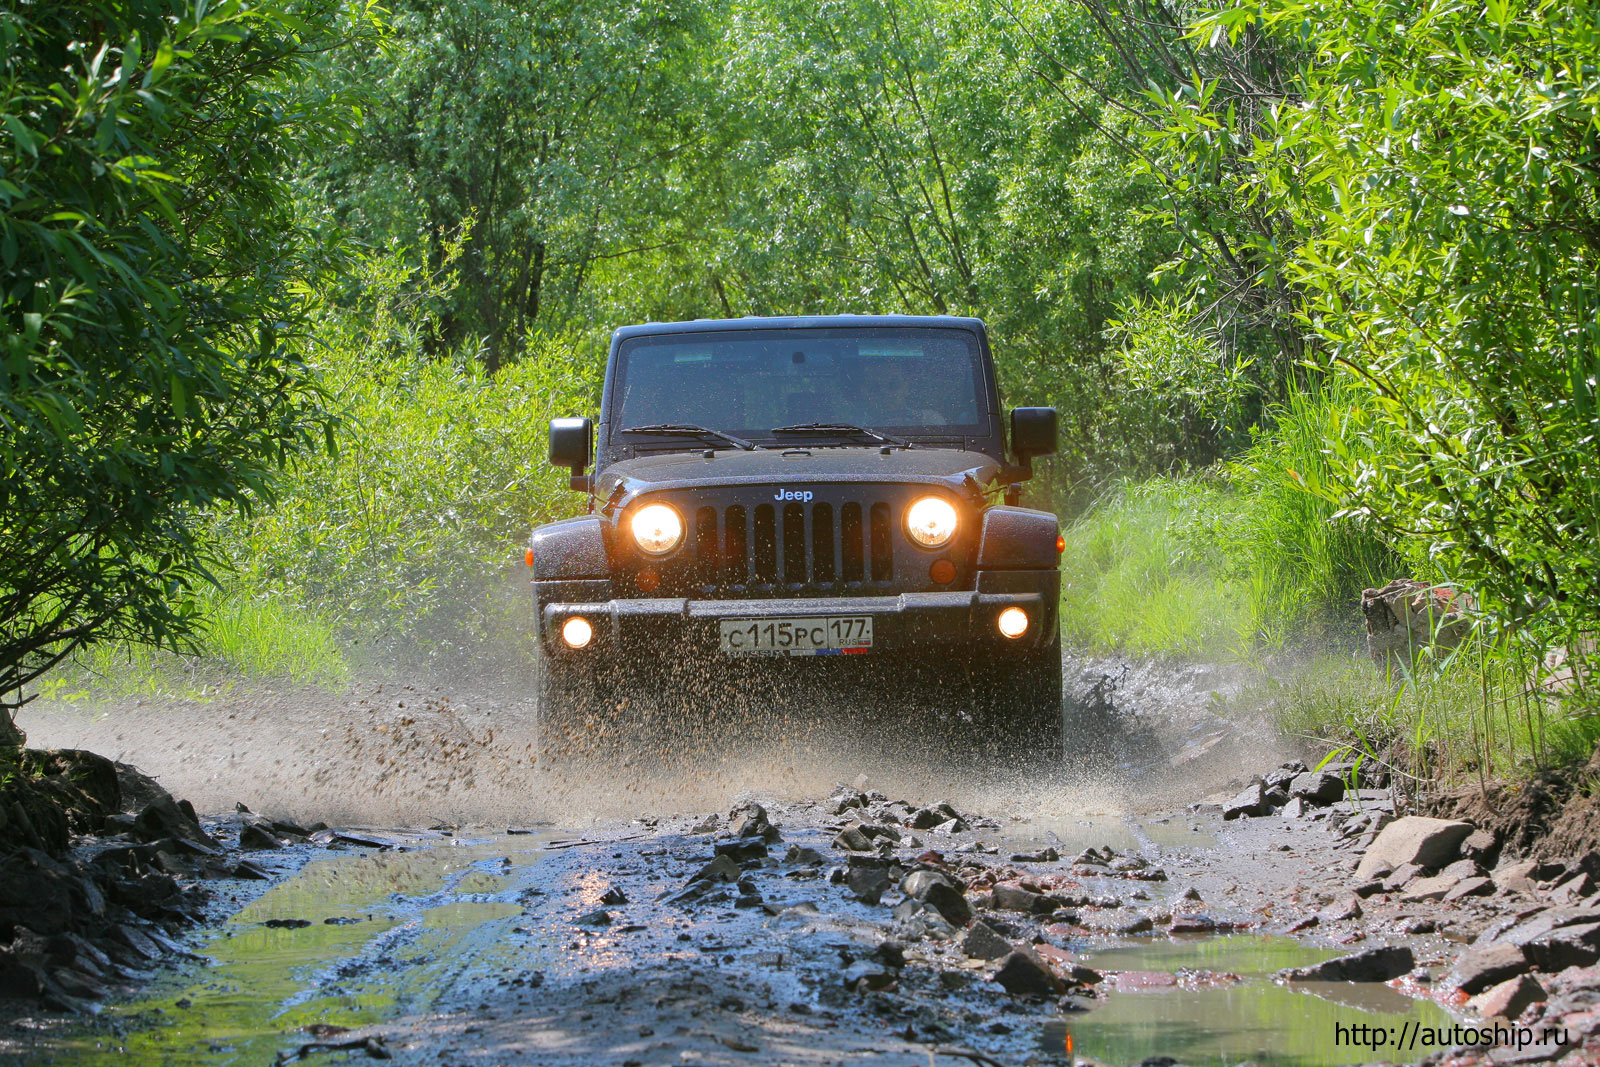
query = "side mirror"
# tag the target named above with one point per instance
(1033, 432)
(572, 446)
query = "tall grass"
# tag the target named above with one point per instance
(1145, 572)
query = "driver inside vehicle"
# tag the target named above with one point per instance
(888, 397)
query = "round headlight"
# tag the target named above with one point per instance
(656, 529)
(931, 522)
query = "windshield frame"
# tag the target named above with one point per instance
(984, 435)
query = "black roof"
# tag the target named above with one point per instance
(798, 322)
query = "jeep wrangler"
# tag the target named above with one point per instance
(804, 488)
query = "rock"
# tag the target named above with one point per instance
(1508, 999)
(750, 820)
(1524, 876)
(1421, 889)
(868, 883)
(741, 849)
(845, 800)
(1470, 887)
(1015, 898)
(162, 817)
(1023, 973)
(1043, 855)
(1408, 618)
(720, 869)
(1573, 889)
(983, 942)
(256, 838)
(1575, 945)
(1373, 965)
(613, 896)
(600, 917)
(708, 825)
(1367, 889)
(851, 839)
(1316, 787)
(1295, 809)
(952, 826)
(925, 819)
(864, 976)
(1462, 869)
(1066, 968)
(803, 857)
(1415, 839)
(1483, 966)
(1480, 846)
(1403, 876)
(939, 891)
(1199, 924)
(1341, 910)
(1250, 802)
(1285, 774)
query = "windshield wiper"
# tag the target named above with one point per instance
(680, 429)
(843, 427)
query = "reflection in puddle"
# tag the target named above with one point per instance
(382, 925)
(1204, 1024)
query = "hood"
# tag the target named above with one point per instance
(796, 467)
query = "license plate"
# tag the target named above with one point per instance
(828, 635)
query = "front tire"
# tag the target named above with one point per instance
(1019, 709)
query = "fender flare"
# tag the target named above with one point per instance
(571, 550)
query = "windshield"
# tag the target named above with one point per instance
(906, 381)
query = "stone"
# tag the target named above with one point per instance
(742, 849)
(1196, 924)
(1524, 876)
(1508, 999)
(939, 891)
(1576, 945)
(750, 820)
(1341, 910)
(1463, 869)
(1316, 787)
(952, 826)
(1403, 876)
(1421, 889)
(1015, 898)
(1284, 774)
(1480, 846)
(851, 839)
(1414, 839)
(1023, 973)
(613, 896)
(1295, 809)
(868, 883)
(163, 817)
(864, 976)
(803, 857)
(1483, 966)
(845, 800)
(925, 819)
(1066, 968)
(1470, 887)
(983, 942)
(1251, 802)
(720, 869)
(1373, 965)
(1043, 855)
(255, 838)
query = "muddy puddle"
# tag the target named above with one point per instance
(1210, 1001)
(489, 934)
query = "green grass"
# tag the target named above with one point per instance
(1144, 573)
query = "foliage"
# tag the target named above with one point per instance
(398, 536)
(1444, 163)
(153, 281)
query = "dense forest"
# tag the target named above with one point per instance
(288, 289)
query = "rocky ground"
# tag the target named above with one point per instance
(753, 916)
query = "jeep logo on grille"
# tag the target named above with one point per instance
(793, 494)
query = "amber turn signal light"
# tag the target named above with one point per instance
(1061, 544)
(527, 557)
(648, 580)
(942, 571)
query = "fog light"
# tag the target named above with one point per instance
(577, 632)
(1013, 622)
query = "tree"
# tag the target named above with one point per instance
(153, 294)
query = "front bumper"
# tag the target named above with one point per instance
(902, 622)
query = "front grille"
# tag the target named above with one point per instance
(775, 549)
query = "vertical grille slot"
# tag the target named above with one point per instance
(766, 544)
(736, 550)
(852, 563)
(705, 546)
(794, 544)
(822, 565)
(882, 544)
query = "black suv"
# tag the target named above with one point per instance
(804, 488)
